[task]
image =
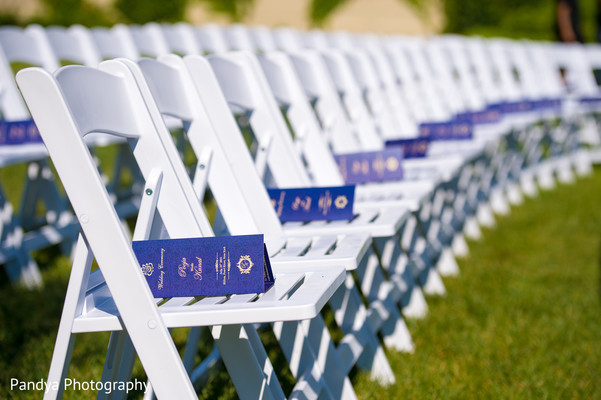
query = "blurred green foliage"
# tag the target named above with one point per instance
(320, 10)
(68, 12)
(142, 11)
(510, 18)
(532, 19)
(235, 10)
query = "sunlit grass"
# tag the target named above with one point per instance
(523, 320)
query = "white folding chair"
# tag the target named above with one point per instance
(73, 44)
(81, 100)
(185, 91)
(245, 88)
(326, 103)
(114, 42)
(43, 217)
(353, 71)
(149, 39)
(211, 38)
(177, 95)
(180, 39)
(413, 193)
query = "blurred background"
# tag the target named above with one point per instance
(533, 19)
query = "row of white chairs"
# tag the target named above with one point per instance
(88, 47)
(335, 97)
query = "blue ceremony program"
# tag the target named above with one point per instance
(412, 147)
(205, 266)
(488, 116)
(313, 204)
(19, 132)
(452, 130)
(372, 166)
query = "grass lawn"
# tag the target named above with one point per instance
(523, 320)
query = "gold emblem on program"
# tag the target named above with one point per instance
(245, 264)
(341, 202)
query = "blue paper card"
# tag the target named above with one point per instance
(451, 130)
(313, 204)
(547, 104)
(19, 132)
(206, 266)
(590, 99)
(412, 148)
(373, 166)
(489, 116)
(512, 107)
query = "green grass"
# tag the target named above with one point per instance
(523, 320)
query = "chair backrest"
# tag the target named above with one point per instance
(402, 112)
(73, 44)
(422, 72)
(66, 107)
(11, 104)
(308, 135)
(593, 59)
(178, 88)
(263, 38)
(211, 38)
(371, 87)
(442, 75)
(319, 88)
(238, 37)
(523, 65)
(29, 45)
(459, 60)
(352, 98)
(149, 39)
(244, 85)
(504, 70)
(287, 39)
(115, 42)
(551, 84)
(180, 38)
(404, 75)
(315, 39)
(484, 69)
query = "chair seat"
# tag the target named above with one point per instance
(325, 250)
(377, 222)
(410, 194)
(294, 296)
(22, 153)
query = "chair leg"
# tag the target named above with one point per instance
(308, 343)
(65, 340)
(61, 358)
(395, 262)
(360, 345)
(376, 288)
(23, 269)
(191, 347)
(118, 364)
(19, 265)
(246, 362)
(327, 355)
